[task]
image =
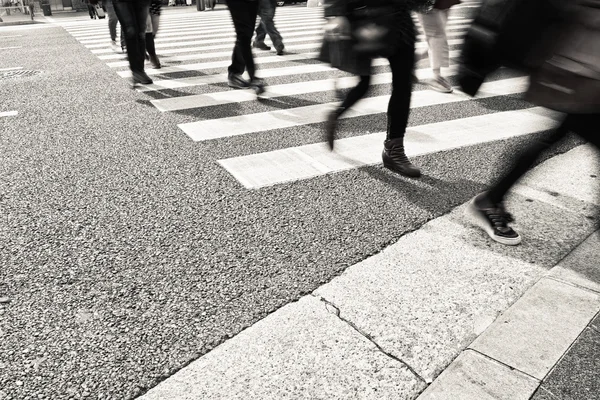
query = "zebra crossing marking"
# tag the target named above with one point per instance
(280, 119)
(8, 114)
(309, 161)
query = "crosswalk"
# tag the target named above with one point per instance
(195, 50)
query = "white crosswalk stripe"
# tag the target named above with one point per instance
(195, 49)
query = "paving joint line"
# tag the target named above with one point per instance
(501, 363)
(337, 312)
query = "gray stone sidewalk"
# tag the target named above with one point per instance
(442, 314)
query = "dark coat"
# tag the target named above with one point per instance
(394, 15)
(568, 78)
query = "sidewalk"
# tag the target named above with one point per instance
(444, 313)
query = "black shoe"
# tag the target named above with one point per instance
(260, 45)
(155, 62)
(141, 78)
(237, 82)
(395, 158)
(331, 125)
(493, 220)
(280, 50)
(258, 85)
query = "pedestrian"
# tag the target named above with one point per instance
(266, 11)
(151, 30)
(31, 8)
(566, 80)
(395, 29)
(243, 13)
(133, 17)
(434, 24)
(112, 28)
(91, 5)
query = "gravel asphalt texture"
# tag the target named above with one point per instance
(126, 252)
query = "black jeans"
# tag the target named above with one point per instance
(401, 64)
(92, 10)
(132, 17)
(243, 13)
(266, 10)
(585, 125)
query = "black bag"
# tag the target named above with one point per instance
(508, 33)
(339, 49)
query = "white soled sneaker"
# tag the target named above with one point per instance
(494, 221)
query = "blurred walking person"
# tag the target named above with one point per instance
(391, 24)
(112, 28)
(91, 6)
(565, 77)
(266, 11)
(151, 30)
(434, 24)
(243, 13)
(133, 17)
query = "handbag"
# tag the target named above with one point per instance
(372, 30)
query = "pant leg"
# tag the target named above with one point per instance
(401, 64)
(244, 15)
(434, 25)
(356, 93)
(91, 10)
(112, 20)
(267, 14)
(261, 32)
(133, 17)
(522, 162)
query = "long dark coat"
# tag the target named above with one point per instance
(400, 25)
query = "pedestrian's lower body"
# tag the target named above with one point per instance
(243, 14)
(394, 156)
(133, 17)
(112, 28)
(487, 209)
(434, 25)
(92, 11)
(266, 25)
(151, 30)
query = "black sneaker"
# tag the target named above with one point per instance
(395, 158)
(237, 82)
(261, 45)
(494, 221)
(258, 85)
(280, 50)
(141, 78)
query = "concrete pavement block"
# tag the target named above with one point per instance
(427, 297)
(582, 167)
(537, 330)
(473, 376)
(581, 267)
(303, 351)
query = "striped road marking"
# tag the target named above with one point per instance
(280, 119)
(8, 113)
(309, 161)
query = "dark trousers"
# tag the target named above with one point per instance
(243, 14)
(585, 125)
(266, 10)
(401, 64)
(132, 17)
(112, 23)
(92, 10)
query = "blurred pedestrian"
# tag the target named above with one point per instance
(91, 6)
(112, 28)
(243, 13)
(566, 80)
(266, 11)
(379, 28)
(151, 30)
(434, 24)
(133, 17)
